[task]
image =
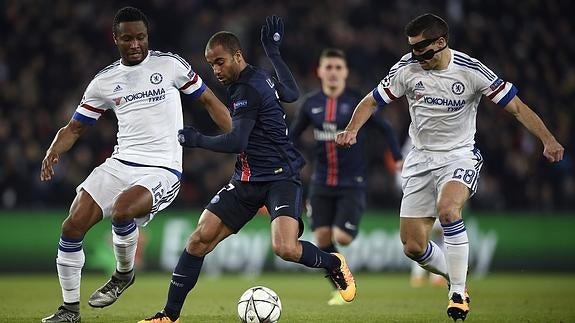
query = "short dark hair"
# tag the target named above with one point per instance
(129, 14)
(430, 25)
(332, 52)
(227, 40)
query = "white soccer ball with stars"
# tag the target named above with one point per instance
(259, 304)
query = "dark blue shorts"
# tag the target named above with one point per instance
(237, 202)
(336, 206)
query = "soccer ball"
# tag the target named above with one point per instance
(259, 304)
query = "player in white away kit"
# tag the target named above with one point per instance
(143, 174)
(443, 89)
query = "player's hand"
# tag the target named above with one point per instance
(346, 138)
(272, 35)
(188, 137)
(553, 151)
(47, 170)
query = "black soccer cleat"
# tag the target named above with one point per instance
(63, 315)
(110, 292)
(457, 308)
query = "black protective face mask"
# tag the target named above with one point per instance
(428, 54)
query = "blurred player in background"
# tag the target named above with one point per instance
(443, 89)
(143, 174)
(266, 173)
(337, 193)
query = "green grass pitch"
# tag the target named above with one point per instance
(382, 297)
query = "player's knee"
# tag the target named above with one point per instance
(288, 252)
(74, 227)
(413, 249)
(447, 212)
(199, 244)
(121, 213)
(343, 238)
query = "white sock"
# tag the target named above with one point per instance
(69, 263)
(433, 260)
(457, 255)
(125, 239)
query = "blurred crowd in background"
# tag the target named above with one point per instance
(50, 50)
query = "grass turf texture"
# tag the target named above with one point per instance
(383, 297)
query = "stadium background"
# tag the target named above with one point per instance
(50, 50)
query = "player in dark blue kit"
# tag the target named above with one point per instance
(266, 173)
(337, 191)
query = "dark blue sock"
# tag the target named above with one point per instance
(312, 256)
(183, 280)
(329, 249)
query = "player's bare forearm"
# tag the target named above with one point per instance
(362, 113)
(217, 110)
(552, 150)
(63, 141)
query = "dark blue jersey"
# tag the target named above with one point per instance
(270, 155)
(336, 166)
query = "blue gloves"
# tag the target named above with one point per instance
(272, 35)
(188, 137)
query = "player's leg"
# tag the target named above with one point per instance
(132, 202)
(208, 233)
(321, 213)
(224, 215)
(457, 182)
(414, 233)
(450, 203)
(417, 215)
(147, 190)
(285, 228)
(350, 205)
(84, 213)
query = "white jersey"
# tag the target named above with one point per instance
(146, 100)
(443, 103)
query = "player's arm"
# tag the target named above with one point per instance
(234, 141)
(217, 110)
(552, 149)
(361, 114)
(382, 125)
(63, 141)
(246, 102)
(272, 34)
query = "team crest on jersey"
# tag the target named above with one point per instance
(457, 88)
(156, 78)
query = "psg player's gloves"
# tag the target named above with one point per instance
(188, 137)
(272, 35)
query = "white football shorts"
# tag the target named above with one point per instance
(112, 177)
(424, 174)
